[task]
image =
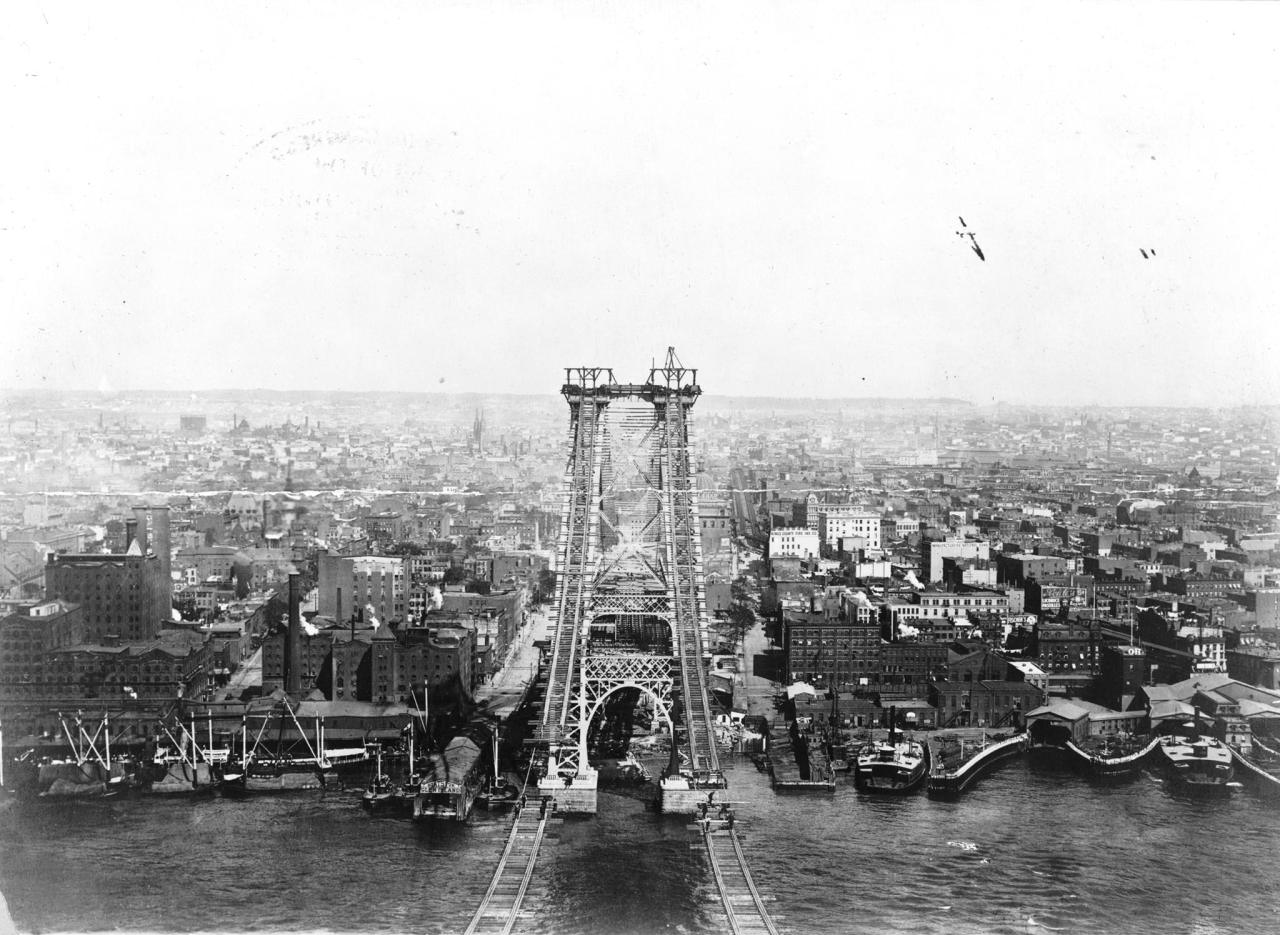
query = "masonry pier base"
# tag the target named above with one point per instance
(680, 795)
(575, 796)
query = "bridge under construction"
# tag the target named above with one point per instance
(631, 614)
(631, 608)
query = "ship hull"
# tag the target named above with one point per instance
(435, 806)
(1199, 768)
(892, 781)
(288, 781)
(899, 770)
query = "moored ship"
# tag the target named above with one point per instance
(1198, 763)
(452, 779)
(895, 765)
(91, 770)
(1113, 757)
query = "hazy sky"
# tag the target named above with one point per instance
(472, 196)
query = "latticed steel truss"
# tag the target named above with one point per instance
(629, 548)
(602, 674)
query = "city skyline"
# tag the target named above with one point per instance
(465, 199)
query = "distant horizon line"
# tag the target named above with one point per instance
(6, 392)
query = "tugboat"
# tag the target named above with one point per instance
(497, 792)
(896, 765)
(837, 753)
(381, 791)
(1196, 762)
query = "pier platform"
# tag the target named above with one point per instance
(959, 758)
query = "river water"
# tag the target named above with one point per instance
(1028, 849)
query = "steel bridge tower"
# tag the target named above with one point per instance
(630, 602)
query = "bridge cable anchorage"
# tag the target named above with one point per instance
(499, 910)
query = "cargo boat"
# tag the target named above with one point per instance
(452, 780)
(295, 765)
(91, 770)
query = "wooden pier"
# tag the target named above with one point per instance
(949, 777)
(784, 766)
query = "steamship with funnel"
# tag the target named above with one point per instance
(1195, 762)
(897, 764)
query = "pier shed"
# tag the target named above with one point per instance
(1057, 722)
(916, 714)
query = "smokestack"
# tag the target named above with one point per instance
(140, 514)
(292, 667)
(160, 522)
(130, 532)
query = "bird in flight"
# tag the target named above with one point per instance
(973, 240)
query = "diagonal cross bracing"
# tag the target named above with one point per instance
(630, 550)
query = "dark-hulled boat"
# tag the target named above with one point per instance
(453, 778)
(897, 765)
(1198, 763)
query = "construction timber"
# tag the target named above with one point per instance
(630, 602)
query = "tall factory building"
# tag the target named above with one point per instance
(126, 596)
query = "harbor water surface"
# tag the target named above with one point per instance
(1029, 849)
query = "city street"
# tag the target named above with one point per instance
(759, 690)
(250, 673)
(502, 693)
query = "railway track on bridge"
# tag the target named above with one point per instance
(744, 906)
(500, 909)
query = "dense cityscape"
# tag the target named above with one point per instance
(371, 561)
(984, 581)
